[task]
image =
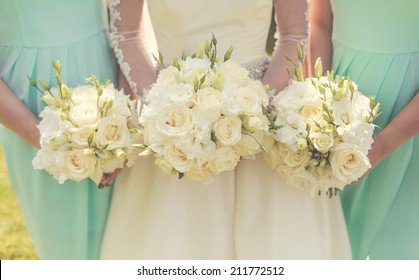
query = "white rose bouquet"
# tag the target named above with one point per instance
(323, 131)
(85, 131)
(203, 115)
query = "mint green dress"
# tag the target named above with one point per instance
(376, 43)
(65, 221)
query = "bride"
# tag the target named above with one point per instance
(248, 213)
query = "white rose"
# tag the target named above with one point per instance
(313, 112)
(82, 94)
(227, 130)
(296, 158)
(80, 166)
(322, 141)
(84, 114)
(348, 163)
(225, 159)
(182, 94)
(199, 174)
(79, 136)
(296, 95)
(248, 101)
(234, 73)
(260, 91)
(229, 107)
(177, 158)
(249, 146)
(303, 180)
(175, 121)
(208, 103)
(194, 69)
(255, 122)
(170, 75)
(200, 149)
(113, 130)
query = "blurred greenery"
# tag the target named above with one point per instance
(15, 243)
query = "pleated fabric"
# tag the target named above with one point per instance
(64, 221)
(378, 48)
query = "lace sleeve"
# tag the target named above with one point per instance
(128, 42)
(292, 28)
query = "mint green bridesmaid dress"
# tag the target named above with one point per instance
(65, 221)
(376, 43)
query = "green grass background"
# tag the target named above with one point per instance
(15, 243)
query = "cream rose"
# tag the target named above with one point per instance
(248, 101)
(322, 142)
(225, 159)
(84, 114)
(79, 166)
(208, 103)
(295, 158)
(113, 130)
(235, 73)
(177, 158)
(182, 94)
(175, 121)
(199, 174)
(82, 94)
(79, 136)
(348, 163)
(249, 146)
(303, 181)
(227, 130)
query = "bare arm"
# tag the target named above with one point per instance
(321, 26)
(404, 126)
(293, 28)
(17, 117)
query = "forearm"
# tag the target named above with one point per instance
(126, 32)
(17, 117)
(320, 42)
(292, 27)
(404, 126)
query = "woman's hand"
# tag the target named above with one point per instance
(109, 178)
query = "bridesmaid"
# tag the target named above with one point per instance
(64, 221)
(376, 43)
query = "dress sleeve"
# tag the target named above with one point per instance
(128, 42)
(292, 18)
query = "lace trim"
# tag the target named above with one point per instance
(301, 39)
(116, 38)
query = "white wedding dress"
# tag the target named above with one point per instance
(249, 213)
